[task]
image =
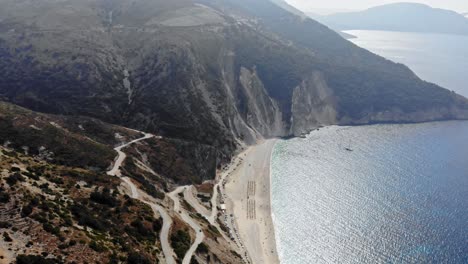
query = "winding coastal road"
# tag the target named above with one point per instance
(167, 220)
(115, 171)
(188, 195)
(199, 235)
(212, 216)
(138, 194)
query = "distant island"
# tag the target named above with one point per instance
(409, 17)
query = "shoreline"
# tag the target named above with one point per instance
(249, 198)
(272, 217)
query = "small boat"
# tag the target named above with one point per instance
(349, 148)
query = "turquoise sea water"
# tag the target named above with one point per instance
(401, 195)
(438, 58)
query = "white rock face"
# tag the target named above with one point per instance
(313, 105)
(263, 112)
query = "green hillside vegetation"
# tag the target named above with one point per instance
(43, 135)
(94, 219)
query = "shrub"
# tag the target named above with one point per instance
(180, 242)
(202, 248)
(32, 176)
(7, 237)
(157, 224)
(27, 210)
(136, 258)
(57, 180)
(44, 187)
(98, 247)
(51, 229)
(104, 198)
(35, 259)
(4, 197)
(14, 178)
(141, 231)
(5, 225)
(86, 218)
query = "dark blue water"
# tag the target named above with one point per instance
(400, 197)
(438, 58)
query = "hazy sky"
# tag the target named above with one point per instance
(309, 5)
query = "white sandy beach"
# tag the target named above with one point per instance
(248, 199)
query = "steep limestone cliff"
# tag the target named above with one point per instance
(262, 112)
(313, 105)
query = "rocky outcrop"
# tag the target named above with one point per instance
(313, 105)
(262, 112)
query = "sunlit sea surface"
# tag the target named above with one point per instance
(401, 195)
(438, 58)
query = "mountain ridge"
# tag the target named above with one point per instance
(411, 17)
